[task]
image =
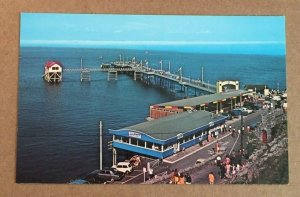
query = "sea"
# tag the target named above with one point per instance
(58, 124)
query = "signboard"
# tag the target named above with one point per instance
(134, 134)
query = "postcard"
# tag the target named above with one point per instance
(152, 99)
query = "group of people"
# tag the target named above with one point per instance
(229, 167)
(180, 178)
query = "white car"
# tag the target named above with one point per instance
(249, 111)
(124, 167)
(200, 161)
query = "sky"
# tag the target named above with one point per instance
(203, 34)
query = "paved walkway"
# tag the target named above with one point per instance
(191, 150)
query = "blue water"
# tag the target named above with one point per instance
(58, 125)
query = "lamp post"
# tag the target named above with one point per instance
(242, 127)
(100, 145)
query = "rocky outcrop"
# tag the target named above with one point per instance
(258, 160)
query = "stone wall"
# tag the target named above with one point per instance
(258, 160)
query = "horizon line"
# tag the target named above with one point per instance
(139, 43)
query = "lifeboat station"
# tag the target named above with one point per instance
(53, 71)
(176, 125)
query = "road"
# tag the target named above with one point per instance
(202, 175)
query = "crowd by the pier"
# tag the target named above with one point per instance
(180, 178)
(228, 167)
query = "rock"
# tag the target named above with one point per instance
(273, 148)
(259, 152)
(264, 147)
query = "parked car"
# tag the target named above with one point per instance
(200, 161)
(244, 109)
(253, 106)
(237, 112)
(100, 176)
(124, 167)
(227, 114)
(103, 177)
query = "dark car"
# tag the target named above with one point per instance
(93, 178)
(252, 105)
(228, 115)
(237, 112)
(107, 175)
(99, 177)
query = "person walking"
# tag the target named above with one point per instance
(172, 180)
(188, 179)
(181, 179)
(176, 179)
(211, 178)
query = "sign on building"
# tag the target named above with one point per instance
(134, 134)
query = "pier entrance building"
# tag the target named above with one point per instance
(216, 103)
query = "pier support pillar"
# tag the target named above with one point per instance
(114, 156)
(137, 75)
(85, 75)
(112, 75)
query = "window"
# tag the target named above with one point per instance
(118, 138)
(133, 141)
(125, 139)
(198, 134)
(141, 143)
(149, 145)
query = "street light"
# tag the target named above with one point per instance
(242, 127)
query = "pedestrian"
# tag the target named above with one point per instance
(188, 179)
(223, 171)
(150, 173)
(218, 161)
(238, 167)
(227, 160)
(181, 179)
(172, 180)
(211, 178)
(232, 133)
(228, 168)
(233, 171)
(176, 178)
(229, 127)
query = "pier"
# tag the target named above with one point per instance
(142, 72)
